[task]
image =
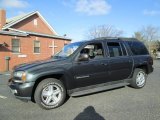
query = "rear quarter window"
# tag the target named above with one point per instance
(137, 48)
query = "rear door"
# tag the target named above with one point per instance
(120, 63)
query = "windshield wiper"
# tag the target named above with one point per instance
(58, 57)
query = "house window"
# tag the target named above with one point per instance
(36, 46)
(35, 22)
(15, 46)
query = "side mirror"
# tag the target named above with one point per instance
(83, 57)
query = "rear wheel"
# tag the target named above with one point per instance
(50, 93)
(139, 78)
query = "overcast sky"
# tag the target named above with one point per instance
(75, 17)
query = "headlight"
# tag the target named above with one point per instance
(20, 74)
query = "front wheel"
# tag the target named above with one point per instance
(139, 78)
(50, 93)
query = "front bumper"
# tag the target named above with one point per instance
(22, 91)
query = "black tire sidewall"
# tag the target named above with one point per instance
(42, 85)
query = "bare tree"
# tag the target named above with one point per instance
(139, 36)
(148, 34)
(103, 31)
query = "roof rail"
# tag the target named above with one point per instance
(116, 38)
(127, 39)
(101, 38)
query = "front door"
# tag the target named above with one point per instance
(93, 71)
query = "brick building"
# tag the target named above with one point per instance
(27, 38)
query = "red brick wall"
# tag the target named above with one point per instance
(27, 49)
(60, 44)
(28, 25)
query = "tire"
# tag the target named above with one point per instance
(50, 93)
(139, 78)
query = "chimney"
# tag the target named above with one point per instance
(2, 18)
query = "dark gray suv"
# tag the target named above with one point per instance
(82, 68)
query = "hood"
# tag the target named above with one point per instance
(25, 66)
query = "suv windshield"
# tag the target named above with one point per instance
(68, 50)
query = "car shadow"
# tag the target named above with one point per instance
(89, 113)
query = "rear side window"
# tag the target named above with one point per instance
(114, 49)
(124, 50)
(138, 48)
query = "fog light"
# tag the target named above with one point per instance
(14, 91)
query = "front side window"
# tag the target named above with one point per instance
(94, 51)
(36, 46)
(114, 49)
(15, 45)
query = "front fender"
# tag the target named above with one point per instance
(67, 76)
(38, 75)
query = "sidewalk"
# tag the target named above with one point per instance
(5, 73)
(156, 63)
(4, 77)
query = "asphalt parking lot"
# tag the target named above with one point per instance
(119, 104)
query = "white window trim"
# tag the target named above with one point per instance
(19, 46)
(39, 47)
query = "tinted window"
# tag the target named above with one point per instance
(114, 49)
(123, 50)
(138, 48)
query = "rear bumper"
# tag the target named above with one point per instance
(22, 91)
(150, 69)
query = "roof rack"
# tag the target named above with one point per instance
(102, 38)
(127, 39)
(116, 38)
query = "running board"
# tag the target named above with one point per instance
(98, 89)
